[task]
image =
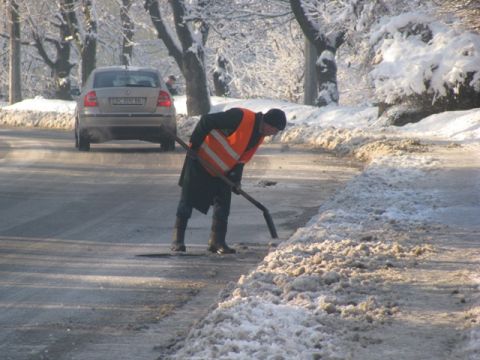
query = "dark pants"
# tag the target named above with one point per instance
(221, 203)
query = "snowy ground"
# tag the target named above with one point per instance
(387, 269)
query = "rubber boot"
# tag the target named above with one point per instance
(178, 243)
(216, 243)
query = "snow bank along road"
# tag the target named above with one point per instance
(388, 269)
(72, 227)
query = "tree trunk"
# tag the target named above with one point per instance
(189, 56)
(310, 80)
(327, 78)
(198, 98)
(326, 47)
(61, 67)
(127, 33)
(221, 77)
(89, 61)
(61, 76)
(85, 38)
(89, 49)
(15, 81)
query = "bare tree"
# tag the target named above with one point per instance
(326, 45)
(221, 77)
(127, 32)
(328, 24)
(187, 50)
(85, 37)
(310, 78)
(15, 81)
(61, 66)
(262, 44)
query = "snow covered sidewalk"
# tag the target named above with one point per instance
(388, 269)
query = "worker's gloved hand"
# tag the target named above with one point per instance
(235, 175)
(236, 188)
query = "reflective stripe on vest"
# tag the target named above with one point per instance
(224, 152)
(224, 142)
(216, 159)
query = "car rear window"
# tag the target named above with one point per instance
(116, 78)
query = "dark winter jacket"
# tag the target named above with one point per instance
(199, 185)
(173, 90)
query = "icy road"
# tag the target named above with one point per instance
(84, 237)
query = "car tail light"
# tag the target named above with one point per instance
(164, 99)
(90, 99)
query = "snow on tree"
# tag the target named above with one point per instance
(81, 18)
(34, 75)
(127, 32)
(262, 45)
(60, 65)
(221, 77)
(327, 24)
(187, 48)
(441, 64)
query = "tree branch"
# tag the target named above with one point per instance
(163, 32)
(181, 25)
(6, 36)
(41, 49)
(68, 8)
(308, 28)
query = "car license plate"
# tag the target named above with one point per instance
(127, 101)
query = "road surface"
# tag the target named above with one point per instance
(85, 268)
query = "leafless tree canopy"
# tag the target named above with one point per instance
(244, 48)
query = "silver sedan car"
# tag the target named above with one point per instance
(125, 103)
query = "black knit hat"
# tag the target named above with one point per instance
(276, 118)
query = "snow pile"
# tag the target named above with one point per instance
(454, 125)
(319, 290)
(39, 112)
(43, 105)
(38, 119)
(342, 129)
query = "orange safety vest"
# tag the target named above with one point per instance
(224, 152)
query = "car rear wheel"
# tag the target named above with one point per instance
(76, 133)
(83, 143)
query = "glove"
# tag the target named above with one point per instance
(235, 175)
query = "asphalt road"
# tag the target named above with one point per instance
(85, 270)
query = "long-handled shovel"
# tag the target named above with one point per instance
(266, 213)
